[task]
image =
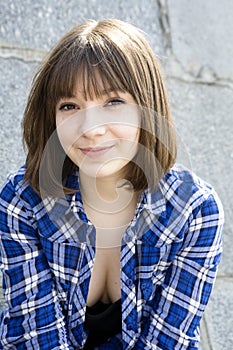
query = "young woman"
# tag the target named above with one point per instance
(105, 242)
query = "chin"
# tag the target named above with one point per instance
(111, 169)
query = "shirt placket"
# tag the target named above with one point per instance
(128, 290)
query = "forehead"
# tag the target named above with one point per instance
(92, 84)
(89, 78)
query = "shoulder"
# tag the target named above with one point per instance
(184, 183)
(16, 188)
(184, 203)
(185, 191)
(16, 178)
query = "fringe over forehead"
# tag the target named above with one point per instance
(96, 57)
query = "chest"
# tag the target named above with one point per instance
(105, 277)
(105, 282)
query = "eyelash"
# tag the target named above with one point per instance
(71, 106)
(66, 107)
(114, 102)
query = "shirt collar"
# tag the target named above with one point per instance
(152, 201)
(155, 201)
(62, 205)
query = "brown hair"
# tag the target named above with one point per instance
(121, 54)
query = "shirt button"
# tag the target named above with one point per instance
(193, 343)
(7, 320)
(147, 289)
(127, 239)
(130, 327)
(129, 282)
(144, 285)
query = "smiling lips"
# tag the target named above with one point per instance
(95, 152)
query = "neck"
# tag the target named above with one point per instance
(107, 194)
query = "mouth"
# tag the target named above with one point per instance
(95, 152)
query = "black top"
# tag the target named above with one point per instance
(103, 321)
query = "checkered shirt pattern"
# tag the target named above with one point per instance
(169, 258)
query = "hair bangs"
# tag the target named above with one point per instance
(96, 81)
(88, 70)
(63, 79)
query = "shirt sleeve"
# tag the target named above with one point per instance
(34, 318)
(181, 299)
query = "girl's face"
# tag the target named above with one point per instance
(100, 135)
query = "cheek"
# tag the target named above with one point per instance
(126, 133)
(64, 137)
(128, 142)
(67, 132)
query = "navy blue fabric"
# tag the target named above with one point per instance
(169, 258)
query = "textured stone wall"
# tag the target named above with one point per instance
(193, 40)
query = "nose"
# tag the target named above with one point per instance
(92, 123)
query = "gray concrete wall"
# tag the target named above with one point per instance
(193, 40)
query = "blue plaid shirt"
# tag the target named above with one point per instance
(169, 257)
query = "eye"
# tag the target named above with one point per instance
(68, 107)
(114, 102)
